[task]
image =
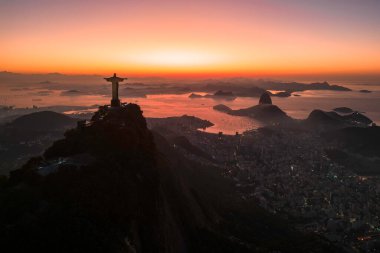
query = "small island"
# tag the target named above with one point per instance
(194, 95)
(71, 93)
(220, 94)
(183, 122)
(282, 94)
(343, 110)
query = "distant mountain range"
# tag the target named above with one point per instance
(49, 79)
(248, 88)
(257, 87)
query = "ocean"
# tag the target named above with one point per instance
(166, 105)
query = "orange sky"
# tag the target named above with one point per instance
(168, 37)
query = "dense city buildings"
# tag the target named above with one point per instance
(290, 174)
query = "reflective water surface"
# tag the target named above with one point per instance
(166, 105)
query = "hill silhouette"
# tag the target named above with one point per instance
(122, 199)
(111, 185)
(319, 118)
(265, 99)
(30, 135)
(42, 121)
(264, 112)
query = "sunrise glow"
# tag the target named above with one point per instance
(191, 38)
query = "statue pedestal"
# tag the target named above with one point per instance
(115, 102)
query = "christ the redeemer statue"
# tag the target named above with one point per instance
(115, 102)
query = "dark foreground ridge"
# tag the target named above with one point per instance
(111, 185)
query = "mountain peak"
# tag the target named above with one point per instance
(109, 172)
(112, 130)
